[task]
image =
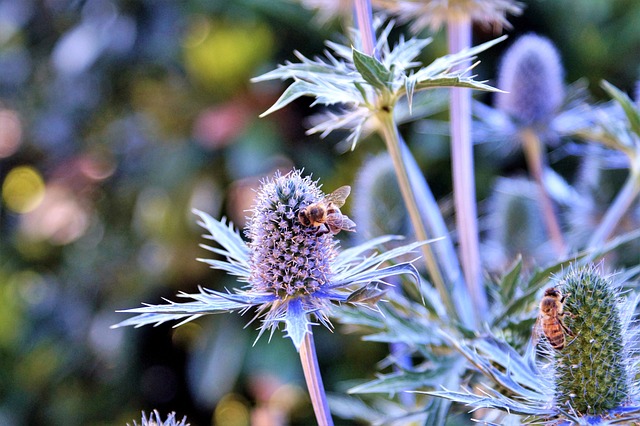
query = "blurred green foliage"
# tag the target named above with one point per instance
(132, 112)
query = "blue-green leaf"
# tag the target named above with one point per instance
(372, 70)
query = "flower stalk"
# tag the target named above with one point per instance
(364, 22)
(459, 38)
(312, 376)
(389, 132)
(534, 156)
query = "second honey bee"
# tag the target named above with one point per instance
(551, 318)
(326, 215)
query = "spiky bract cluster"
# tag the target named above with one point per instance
(434, 14)
(532, 77)
(287, 258)
(592, 369)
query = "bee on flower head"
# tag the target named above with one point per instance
(326, 215)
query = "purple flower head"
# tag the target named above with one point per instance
(532, 76)
(287, 258)
(294, 273)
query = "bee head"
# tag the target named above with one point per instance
(316, 211)
(552, 292)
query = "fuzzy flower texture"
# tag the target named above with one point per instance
(292, 271)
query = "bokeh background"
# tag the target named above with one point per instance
(117, 117)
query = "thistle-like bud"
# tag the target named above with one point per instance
(592, 371)
(514, 224)
(381, 209)
(287, 258)
(532, 75)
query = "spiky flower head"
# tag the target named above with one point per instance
(156, 420)
(292, 271)
(592, 371)
(531, 76)
(433, 14)
(287, 258)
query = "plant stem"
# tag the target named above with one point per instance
(464, 191)
(616, 211)
(392, 140)
(309, 362)
(535, 161)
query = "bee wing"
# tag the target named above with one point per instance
(537, 331)
(339, 196)
(348, 224)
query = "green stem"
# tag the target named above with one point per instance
(309, 362)
(391, 138)
(464, 191)
(536, 163)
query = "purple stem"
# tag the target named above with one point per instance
(459, 38)
(309, 362)
(364, 22)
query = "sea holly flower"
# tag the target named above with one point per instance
(292, 271)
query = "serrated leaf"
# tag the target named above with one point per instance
(453, 81)
(296, 90)
(492, 400)
(629, 107)
(405, 380)
(372, 70)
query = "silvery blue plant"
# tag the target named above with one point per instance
(293, 273)
(364, 87)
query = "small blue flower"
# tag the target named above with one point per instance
(292, 271)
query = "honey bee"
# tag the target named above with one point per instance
(551, 319)
(326, 215)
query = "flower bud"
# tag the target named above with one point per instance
(532, 76)
(381, 209)
(592, 370)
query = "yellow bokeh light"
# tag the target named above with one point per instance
(23, 189)
(232, 411)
